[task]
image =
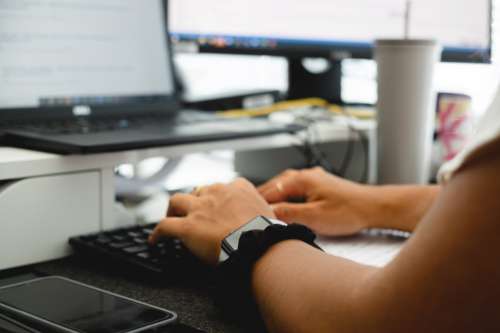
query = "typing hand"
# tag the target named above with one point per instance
(205, 217)
(329, 205)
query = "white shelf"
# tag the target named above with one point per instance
(20, 163)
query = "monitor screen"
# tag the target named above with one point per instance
(83, 52)
(463, 27)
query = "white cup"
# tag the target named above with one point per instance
(405, 109)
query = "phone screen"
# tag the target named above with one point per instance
(80, 308)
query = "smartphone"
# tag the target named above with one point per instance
(57, 304)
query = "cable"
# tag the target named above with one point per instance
(312, 151)
(364, 144)
(349, 153)
(315, 156)
(310, 145)
(351, 145)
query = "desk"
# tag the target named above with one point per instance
(191, 301)
(47, 198)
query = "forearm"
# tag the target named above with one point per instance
(398, 207)
(301, 289)
(444, 279)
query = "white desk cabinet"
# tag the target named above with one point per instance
(39, 214)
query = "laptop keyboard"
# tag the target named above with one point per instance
(129, 246)
(87, 126)
(94, 125)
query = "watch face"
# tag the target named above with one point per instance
(259, 223)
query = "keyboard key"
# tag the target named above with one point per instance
(148, 231)
(103, 240)
(120, 245)
(144, 255)
(135, 249)
(119, 238)
(135, 234)
(140, 240)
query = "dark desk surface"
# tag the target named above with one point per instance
(192, 303)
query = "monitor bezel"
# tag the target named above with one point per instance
(341, 51)
(169, 104)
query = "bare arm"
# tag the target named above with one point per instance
(400, 207)
(300, 289)
(444, 280)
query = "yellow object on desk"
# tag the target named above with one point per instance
(357, 112)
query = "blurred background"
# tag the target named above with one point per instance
(208, 75)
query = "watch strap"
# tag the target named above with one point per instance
(254, 224)
(233, 292)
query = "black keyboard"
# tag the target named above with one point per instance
(87, 126)
(82, 126)
(129, 246)
(95, 125)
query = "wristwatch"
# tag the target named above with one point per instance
(240, 251)
(230, 243)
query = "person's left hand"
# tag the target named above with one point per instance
(202, 219)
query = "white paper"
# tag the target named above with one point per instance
(374, 248)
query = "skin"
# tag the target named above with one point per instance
(203, 220)
(445, 279)
(338, 207)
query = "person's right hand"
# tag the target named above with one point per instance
(332, 206)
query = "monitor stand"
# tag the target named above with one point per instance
(304, 83)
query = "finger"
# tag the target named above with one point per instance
(211, 189)
(294, 213)
(286, 188)
(242, 182)
(197, 191)
(245, 185)
(180, 205)
(169, 227)
(273, 181)
(200, 191)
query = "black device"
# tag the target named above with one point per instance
(333, 30)
(166, 260)
(230, 243)
(106, 85)
(9, 325)
(57, 304)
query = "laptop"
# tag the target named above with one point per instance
(84, 77)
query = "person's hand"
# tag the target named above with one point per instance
(201, 220)
(332, 206)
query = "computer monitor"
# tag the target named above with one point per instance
(332, 29)
(58, 57)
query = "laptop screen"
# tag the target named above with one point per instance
(58, 53)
